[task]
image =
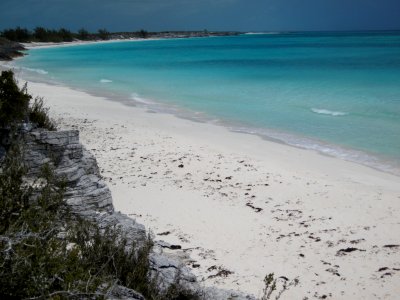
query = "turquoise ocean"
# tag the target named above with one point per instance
(335, 93)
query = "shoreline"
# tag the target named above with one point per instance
(365, 158)
(39, 45)
(165, 36)
(374, 160)
(201, 179)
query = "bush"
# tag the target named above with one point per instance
(103, 34)
(39, 114)
(13, 196)
(36, 233)
(14, 105)
(14, 101)
(47, 251)
(17, 35)
(65, 35)
(40, 33)
(143, 34)
(83, 34)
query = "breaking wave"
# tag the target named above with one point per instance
(39, 71)
(328, 112)
(139, 99)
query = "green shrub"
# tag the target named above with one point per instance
(39, 34)
(18, 34)
(103, 34)
(14, 101)
(83, 34)
(15, 108)
(14, 196)
(39, 114)
(36, 232)
(47, 251)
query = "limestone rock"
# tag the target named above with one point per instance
(89, 196)
(121, 292)
(170, 269)
(220, 294)
(86, 191)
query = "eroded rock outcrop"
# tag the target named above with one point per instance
(86, 191)
(89, 196)
(10, 50)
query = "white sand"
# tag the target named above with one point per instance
(312, 205)
(33, 45)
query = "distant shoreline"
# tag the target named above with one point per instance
(14, 48)
(10, 50)
(363, 157)
(34, 45)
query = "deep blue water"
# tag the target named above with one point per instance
(338, 93)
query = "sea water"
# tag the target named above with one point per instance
(336, 93)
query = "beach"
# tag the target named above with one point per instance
(239, 206)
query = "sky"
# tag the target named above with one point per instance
(237, 15)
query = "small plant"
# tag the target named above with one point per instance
(49, 252)
(15, 108)
(14, 197)
(46, 250)
(39, 114)
(280, 285)
(177, 292)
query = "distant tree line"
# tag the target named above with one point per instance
(41, 34)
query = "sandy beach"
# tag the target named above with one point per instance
(34, 45)
(242, 207)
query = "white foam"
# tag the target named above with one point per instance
(105, 80)
(328, 112)
(15, 68)
(139, 99)
(252, 33)
(347, 154)
(256, 33)
(39, 71)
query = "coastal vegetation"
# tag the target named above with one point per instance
(47, 251)
(16, 107)
(43, 35)
(11, 38)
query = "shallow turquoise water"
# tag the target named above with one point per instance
(338, 93)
